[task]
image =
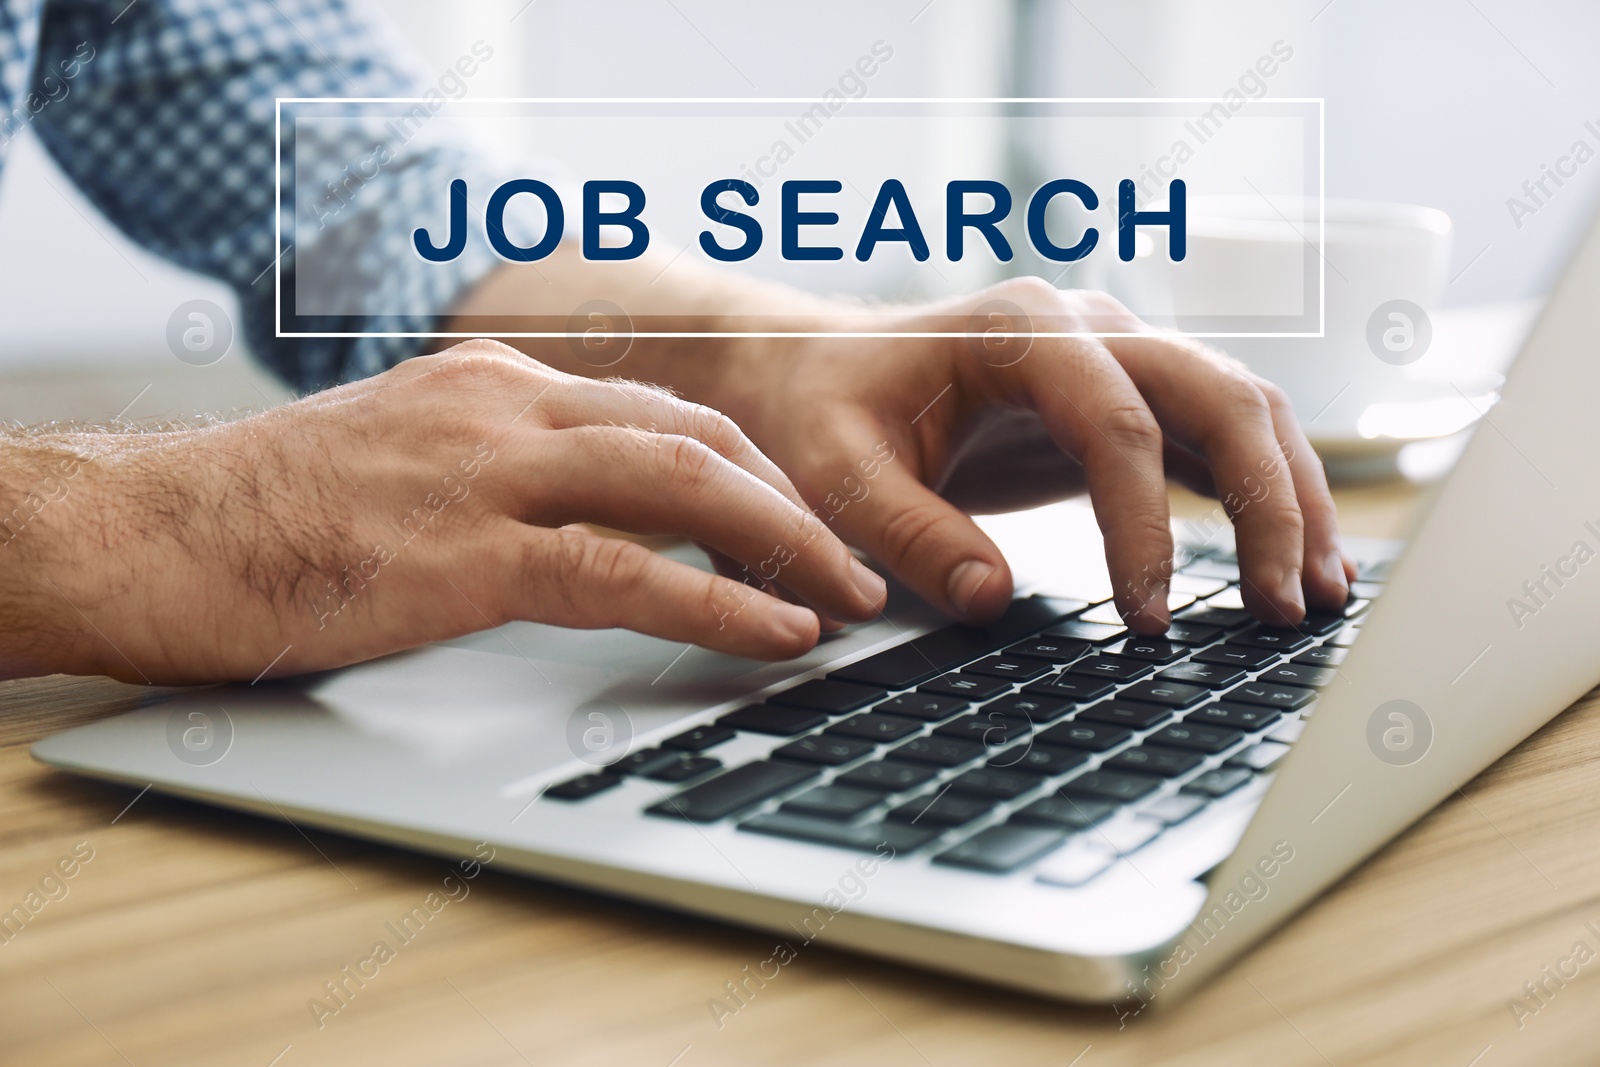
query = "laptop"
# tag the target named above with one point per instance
(1049, 803)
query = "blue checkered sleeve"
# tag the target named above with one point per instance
(168, 127)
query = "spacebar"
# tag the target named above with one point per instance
(943, 650)
(733, 791)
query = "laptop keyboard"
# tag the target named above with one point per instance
(1054, 736)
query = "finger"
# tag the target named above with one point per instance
(665, 483)
(1094, 411)
(935, 549)
(1210, 404)
(1328, 571)
(583, 402)
(574, 579)
(731, 568)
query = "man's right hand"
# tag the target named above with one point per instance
(430, 501)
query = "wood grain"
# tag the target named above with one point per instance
(197, 936)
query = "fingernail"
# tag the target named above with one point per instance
(965, 581)
(868, 583)
(1333, 571)
(1290, 593)
(792, 622)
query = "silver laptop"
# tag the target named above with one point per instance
(1049, 803)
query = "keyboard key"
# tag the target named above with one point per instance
(1287, 732)
(1366, 590)
(1113, 667)
(826, 695)
(1151, 649)
(1075, 863)
(1210, 675)
(1239, 656)
(1205, 615)
(1195, 585)
(966, 686)
(684, 769)
(1152, 759)
(1344, 638)
(1001, 849)
(1092, 632)
(1273, 638)
(1119, 713)
(644, 761)
(735, 790)
(869, 838)
(887, 776)
(873, 726)
(1105, 614)
(1011, 668)
(700, 738)
(765, 719)
(1127, 833)
(992, 731)
(939, 751)
(1299, 674)
(943, 650)
(1044, 760)
(828, 751)
(583, 787)
(1227, 600)
(1284, 697)
(1166, 693)
(1260, 756)
(1093, 736)
(1051, 649)
(1246, 717)
(989, 782)
(1065, 813)
(1111, 785)
(831, 802)
(1201, 737)
(1213, 568)
(1218, 783)
(1037, 710)
(1192, 633)
(1374, 570)
(1322, 656)
(929, 707)
(1071, 688)
(941, 810)
(1174, 809)
(1356, 607)
(1321, 621)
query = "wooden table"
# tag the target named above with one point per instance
(198, 936)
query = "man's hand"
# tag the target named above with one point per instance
(428, 502)
(970, 425)
(1021, 422)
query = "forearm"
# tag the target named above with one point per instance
(43, 527)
